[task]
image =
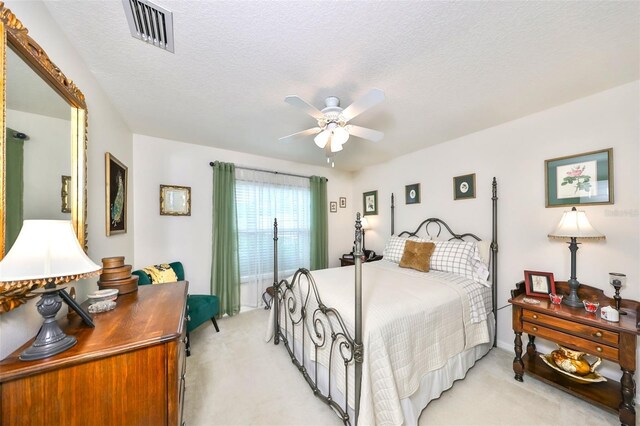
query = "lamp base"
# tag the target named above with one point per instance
(38, 352)
(50, 340)
(572, 298)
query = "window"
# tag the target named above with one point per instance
(260, 198)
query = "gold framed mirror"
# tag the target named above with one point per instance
(44, 137)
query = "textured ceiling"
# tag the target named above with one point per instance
(447, 68)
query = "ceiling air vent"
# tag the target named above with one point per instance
(150, 23)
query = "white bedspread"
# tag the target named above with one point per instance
(413, 323)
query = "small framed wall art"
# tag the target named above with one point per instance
(464, 187)
(579, 179)
(370, 203)
(333, 207)
(65, 190)
(343, 202)
(412, 194)
(539, 284)
(116, 178)
(175, 200)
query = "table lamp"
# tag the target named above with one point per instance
(47, 253)
(573, 225)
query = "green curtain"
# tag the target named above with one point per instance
(225, 265)
(319, 224)
(14, 188)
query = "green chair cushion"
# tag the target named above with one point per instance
(202, 307)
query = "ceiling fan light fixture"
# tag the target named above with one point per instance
(322, 138)
(340, 135)
(335, 145)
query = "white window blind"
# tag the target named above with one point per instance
(261, 197)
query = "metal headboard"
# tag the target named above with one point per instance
(494, 243)
(440, 223)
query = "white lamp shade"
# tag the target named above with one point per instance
(365, 223)
(340, 135)
(322, 138)
(45, 249)
(574, 224)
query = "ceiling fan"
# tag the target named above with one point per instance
(333, 129)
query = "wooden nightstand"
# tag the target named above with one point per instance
(350, 261)
(576, 329)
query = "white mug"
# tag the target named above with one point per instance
(609, 313)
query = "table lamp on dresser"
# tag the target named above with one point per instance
(573, 225)
(45, 254)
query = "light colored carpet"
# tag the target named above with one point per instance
(235, 378)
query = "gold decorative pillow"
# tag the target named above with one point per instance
(417, 255)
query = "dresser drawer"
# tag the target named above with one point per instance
(588, 346)
(595, 334)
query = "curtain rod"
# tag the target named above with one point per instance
(212, 163)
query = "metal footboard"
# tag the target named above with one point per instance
(305, 324)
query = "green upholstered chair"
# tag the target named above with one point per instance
(201, 307)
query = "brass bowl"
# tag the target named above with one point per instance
(589, 378)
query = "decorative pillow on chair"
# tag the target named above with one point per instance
(417, 255)
(159, 274)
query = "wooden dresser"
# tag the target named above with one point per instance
(577, 329)
(128, 370)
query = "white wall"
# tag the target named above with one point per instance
(515, 153)
(188, 238)
(46, 159)
(107, 132)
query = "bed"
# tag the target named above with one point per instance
(378, 351)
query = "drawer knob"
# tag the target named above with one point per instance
(598, 334)
(534, 328)
(598, 348)
(535, 316)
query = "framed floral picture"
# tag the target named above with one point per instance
(579, 179)
(343, 202)
(412, 194)
(370, 203)
(116, 177)
(464, 187)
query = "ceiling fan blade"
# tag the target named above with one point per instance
(364, 133)
(371, 99)
(291, 138)
(303, 105)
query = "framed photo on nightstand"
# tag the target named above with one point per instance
(539, 284)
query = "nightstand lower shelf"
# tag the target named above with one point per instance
(605, 395)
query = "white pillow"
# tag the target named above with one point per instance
(461, 258)
(479, 265)
(484, 250)
(394, 249)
